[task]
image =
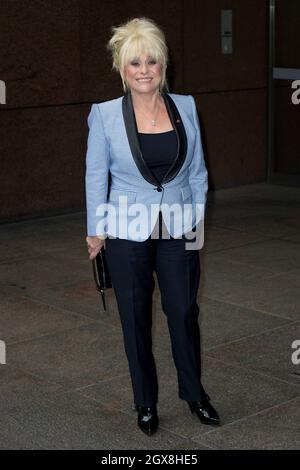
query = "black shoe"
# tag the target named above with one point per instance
(205, 411)
(147, 419)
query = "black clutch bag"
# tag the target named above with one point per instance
(101, 274)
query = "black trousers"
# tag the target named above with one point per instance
(131, 265)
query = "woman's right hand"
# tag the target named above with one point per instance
(94, 245)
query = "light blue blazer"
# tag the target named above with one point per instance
(123, 196)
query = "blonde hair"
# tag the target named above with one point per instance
(133, 38)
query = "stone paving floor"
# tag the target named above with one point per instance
(66, 385)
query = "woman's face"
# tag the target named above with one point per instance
(143, 74)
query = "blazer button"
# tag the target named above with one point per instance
(158, 189)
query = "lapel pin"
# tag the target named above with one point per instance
(177, 120)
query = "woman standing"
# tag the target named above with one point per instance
(149, 141)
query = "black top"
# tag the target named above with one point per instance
(159, 151)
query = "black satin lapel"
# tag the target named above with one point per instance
(132, 135)
(133, 139)
(181, 138)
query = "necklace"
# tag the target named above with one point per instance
(153, 121)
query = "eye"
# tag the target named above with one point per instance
(152, 61)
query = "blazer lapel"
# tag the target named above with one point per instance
(133, 139)
(181, 138)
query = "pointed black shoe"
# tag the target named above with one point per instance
(147, 419)
(205, 411)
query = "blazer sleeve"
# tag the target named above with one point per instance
(97, 172)
(198, 178)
